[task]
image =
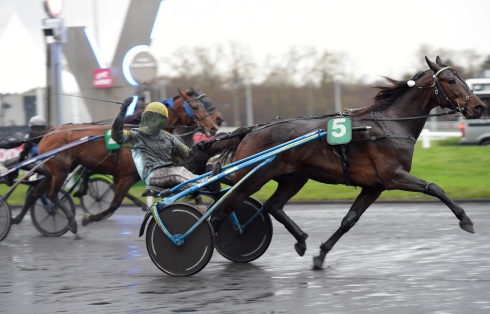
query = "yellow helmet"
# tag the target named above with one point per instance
(157, 107)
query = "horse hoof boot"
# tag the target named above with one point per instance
(85, 219)
(15, 221)
(72, 226)
(317, 263)
(300, 247)
(467, 226)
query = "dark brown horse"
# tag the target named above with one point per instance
(95, 156)
(376, 160)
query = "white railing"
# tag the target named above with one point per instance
(427, 136)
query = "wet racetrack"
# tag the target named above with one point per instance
(399, 258)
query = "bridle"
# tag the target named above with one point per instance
(438, 87)
(189, 110)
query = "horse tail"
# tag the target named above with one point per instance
(223, 148)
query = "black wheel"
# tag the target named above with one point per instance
(486, 142)
(254, 240)
(196, 251)
(5, 218)
(48, 219)
(99, 196)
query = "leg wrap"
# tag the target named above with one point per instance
(290, 225)
(349, 221)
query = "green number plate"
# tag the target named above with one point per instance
(339, 130)
(110, 144)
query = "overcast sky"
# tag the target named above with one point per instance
(379, 37)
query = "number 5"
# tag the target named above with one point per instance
(338, 129)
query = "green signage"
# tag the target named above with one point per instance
(110, 144)
(339, 130)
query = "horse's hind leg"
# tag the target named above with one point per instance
(408, 182)
(362, 202)
(56, 184)
(287, 187)
(31, 198)
(122, 187)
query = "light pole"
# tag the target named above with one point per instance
(309, 90)
(163, 88)
(248, 99)
(55, 35)
(236, 113)
(338, 99)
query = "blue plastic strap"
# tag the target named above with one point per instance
(169, 102)
(188, 110)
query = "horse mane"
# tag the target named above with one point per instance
(388, 94)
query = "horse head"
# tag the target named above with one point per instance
(451, 91)
(209, 105)
(198, 111)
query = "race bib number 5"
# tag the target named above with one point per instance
(339, 130)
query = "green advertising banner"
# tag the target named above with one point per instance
(339, 130)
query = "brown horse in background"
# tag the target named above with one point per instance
(186, 134)
(376, 160)
(180, 123)
(95, 156)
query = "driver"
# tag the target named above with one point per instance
(37, 129)
(156, 153)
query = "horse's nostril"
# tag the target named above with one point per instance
(479, 109)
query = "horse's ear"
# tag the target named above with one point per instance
(180, 92)
(434, 67)
(439, 61)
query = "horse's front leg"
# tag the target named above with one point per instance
(122, 188)
(362, 202)
(53, 195)
(408, 182)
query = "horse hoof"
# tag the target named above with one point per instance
(145, 208)
(467, 226)
(85, 219)
(317, 263)
(72, 226)
(300, 248)
(15, 221)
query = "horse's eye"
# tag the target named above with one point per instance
(451, 81)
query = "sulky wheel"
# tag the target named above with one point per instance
(5, 218)
(190, 257)
(254, 240)
(49, 219)
(99, 196)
